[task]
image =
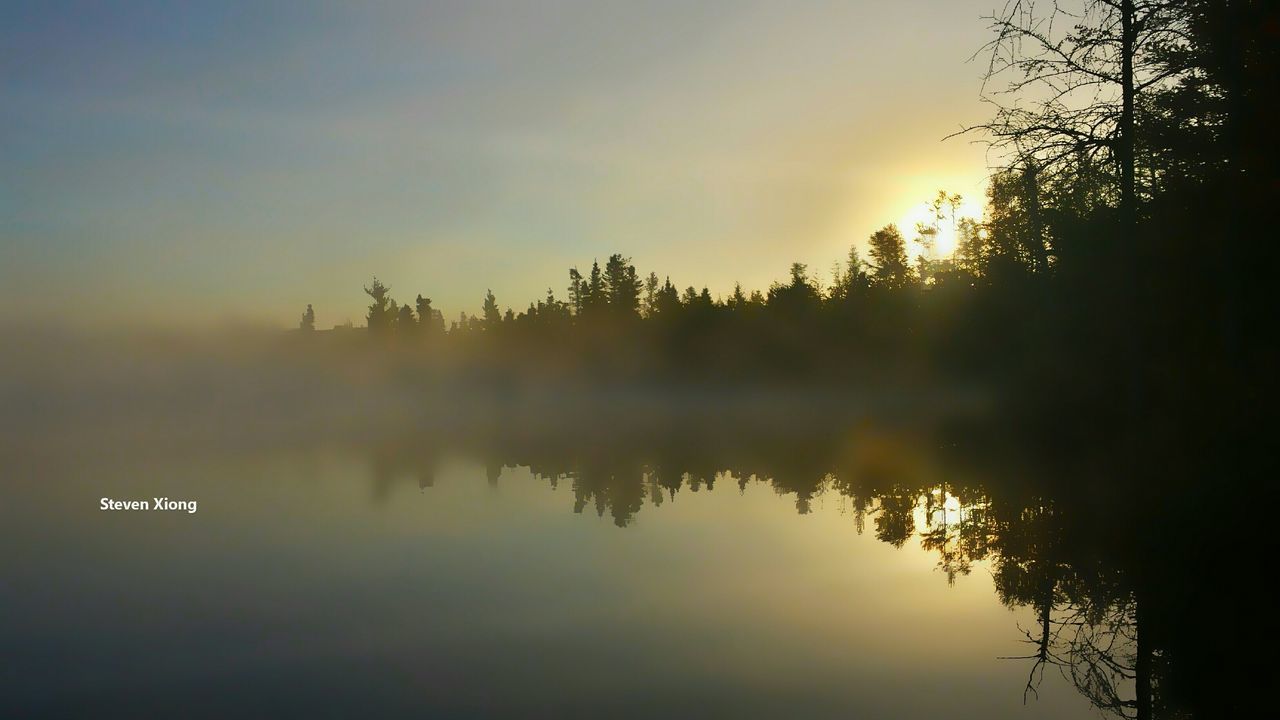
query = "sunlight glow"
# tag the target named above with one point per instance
(947, 239)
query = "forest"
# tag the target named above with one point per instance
(1114, 297)
(1118, 270)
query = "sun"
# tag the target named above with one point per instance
(946, 239)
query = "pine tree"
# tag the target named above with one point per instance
(651, 286)
(405, 322)
(308, 323)
(577, 291)
(595, 297)
(492, 316)
(890, 267)
(621, 286)
(381, 313)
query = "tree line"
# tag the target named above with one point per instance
(1117, 290)
(617, 292)
(1136, 152)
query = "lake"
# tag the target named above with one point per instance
(728, 573)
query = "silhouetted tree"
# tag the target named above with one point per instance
(1078, 76)
(430, 320)
(889, 264)
(1015, 221)
(973, 248)
(851, 281)
(651, 287)
(308, 323)
(594, 296)
(492, 316)
(405, 321)
(668, 300)
(797, 297)
(381, 315)
(621, 286)
(577, 291)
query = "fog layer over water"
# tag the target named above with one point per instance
(368, 543)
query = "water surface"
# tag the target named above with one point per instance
(412, 578)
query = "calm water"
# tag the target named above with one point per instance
(392, 579)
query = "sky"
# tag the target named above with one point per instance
(196, 163)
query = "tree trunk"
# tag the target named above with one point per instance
(1031, 187)
(1142, 668)
(1125, 151)
(1133, 251)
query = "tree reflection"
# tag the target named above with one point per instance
(1046, 547)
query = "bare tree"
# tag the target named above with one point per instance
(1065, 79)
(1096, 643)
